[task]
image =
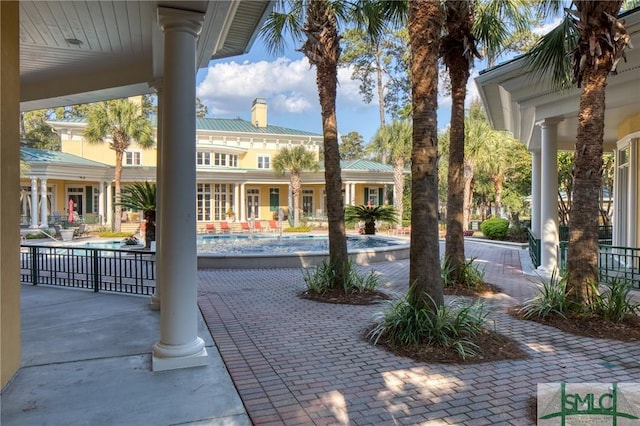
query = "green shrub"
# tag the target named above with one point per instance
(471, 275)
(551, 299)
(615, 303)
(297, 229)
(112, 234)
(495, 228)
(36, 236)
(451, 326)
(319, 280)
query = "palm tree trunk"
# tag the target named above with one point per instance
(150, 228)
(398, 183)
(497, 189)
(117, 220)
(424, 27)
(322, 48)
(454, 247)
(295, 189)
(582, 259)
(468, 191)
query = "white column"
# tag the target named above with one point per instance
(109, 205)
(43, 204)
(179, 345)
(347, 192)
(549, 196)
(353, 194)
(535, 192)
(236, 199)
(242, 216)
(101, 203)
(34, 202)
(155, 300)
(633, 194)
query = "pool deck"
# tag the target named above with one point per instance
(276, 359)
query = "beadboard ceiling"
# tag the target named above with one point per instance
(80, 51)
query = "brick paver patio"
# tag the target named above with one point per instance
(299, 362)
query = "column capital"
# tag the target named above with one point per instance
(180, 20)
(550, 121)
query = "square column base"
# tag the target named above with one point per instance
(163, 364)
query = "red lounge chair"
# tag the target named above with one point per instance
(210, 228)
(244, 226)
(224, 227)
(257, 226)
(273, 226)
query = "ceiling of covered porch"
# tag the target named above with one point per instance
(75, 52)
(516, 101)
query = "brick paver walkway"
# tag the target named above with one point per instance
(295, 361)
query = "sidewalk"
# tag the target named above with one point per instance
(299, 362)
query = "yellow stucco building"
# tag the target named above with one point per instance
(234, 174)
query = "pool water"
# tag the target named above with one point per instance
(259, 244)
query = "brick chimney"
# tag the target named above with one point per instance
(259, 112)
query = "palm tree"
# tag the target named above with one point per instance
(316, 23)
(369, 215)
(595, 41)
(468, 23)
(397, 138)
(118, 122)
(142, 196)
(294, 161)
(424, 25)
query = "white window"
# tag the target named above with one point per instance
(132, 158)
(233, 160)
(373, 196)
(220, 159)
(263, 162)
(203, 158)
(203, 201)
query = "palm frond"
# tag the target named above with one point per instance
(139, 196)
(286, 20)
(550, 55)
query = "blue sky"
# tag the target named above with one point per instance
(228, 87)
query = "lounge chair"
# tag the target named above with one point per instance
(244, 227)
(273, 226)
(257, 226)
(210, 228)
(224, 227)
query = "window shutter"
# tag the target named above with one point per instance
(89, 204)
(366, 196)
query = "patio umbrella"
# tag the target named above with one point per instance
(70, 218)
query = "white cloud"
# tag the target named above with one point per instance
(230, 87)
(288, 85)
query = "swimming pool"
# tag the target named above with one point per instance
(252, 251)
(252, 244)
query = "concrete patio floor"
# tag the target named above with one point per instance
(283, 360)
(86, 360)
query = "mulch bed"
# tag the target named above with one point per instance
(463, 290)
(337, 295)
(626, 331)
(492, 347)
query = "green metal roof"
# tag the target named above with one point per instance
(236, 125)
(364, 165)
(33, 155)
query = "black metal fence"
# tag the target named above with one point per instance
(97, 269)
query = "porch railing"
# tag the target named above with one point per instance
(534, 248)
(97, 269)
(614, 262)
(605, 232)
